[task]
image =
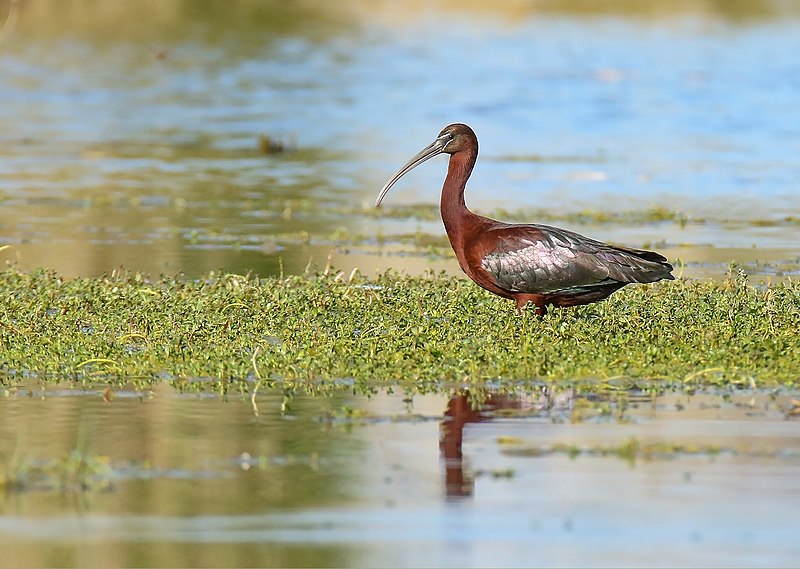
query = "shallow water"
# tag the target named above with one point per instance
(189, 137)
(131, 134)
(530, 480)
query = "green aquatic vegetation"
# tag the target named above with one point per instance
(629, 450)
(430, 212)
(650, 215)
(496, 473)
(654, 214)
(74, 473)
(272, 145)
(421, 212)
(787, 220)
(224, 332)
(778, 269)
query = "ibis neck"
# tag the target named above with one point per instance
(454, 210)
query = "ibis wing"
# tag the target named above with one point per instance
(540, 259)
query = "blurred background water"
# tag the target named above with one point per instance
(194, 136)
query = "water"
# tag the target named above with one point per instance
(531, 480)
(131, 136)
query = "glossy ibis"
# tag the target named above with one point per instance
(533, 263)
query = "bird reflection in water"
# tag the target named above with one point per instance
(464, 408)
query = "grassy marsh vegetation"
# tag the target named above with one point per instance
(414, 332)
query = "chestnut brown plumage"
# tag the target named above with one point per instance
(533, 263)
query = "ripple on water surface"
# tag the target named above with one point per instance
(142, 145)
(551, 477)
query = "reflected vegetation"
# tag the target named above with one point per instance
(151, 477)
(102, 19)
(620, 407)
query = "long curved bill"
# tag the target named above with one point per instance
(433, 149)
